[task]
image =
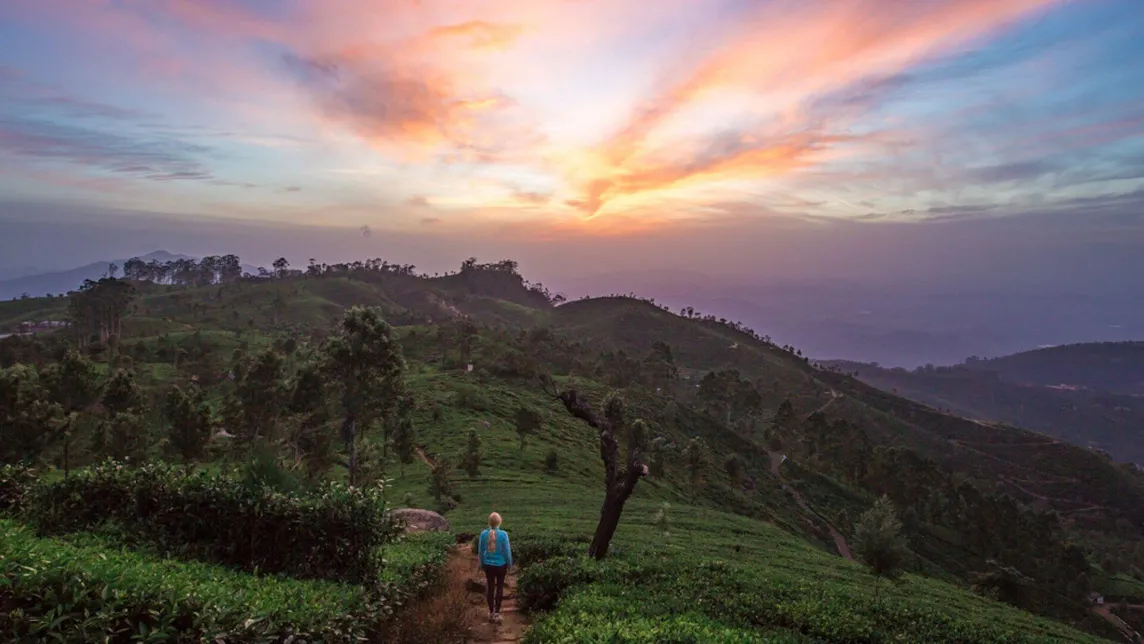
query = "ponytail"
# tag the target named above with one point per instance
(494, 523)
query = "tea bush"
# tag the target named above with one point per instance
(15, 483)
(56, 591)
(332, 533)
(633, 598)
(412, 565)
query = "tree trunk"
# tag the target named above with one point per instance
(606, 528)
(351, 450)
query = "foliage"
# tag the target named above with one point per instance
(552, 460)
(27, 420)
(189, 423)
(15, 484)
(253, 409)
(471, 459)
(527, 422)
(364, 362)
(404, 442)
(628, 598)
(330, 533)
(57, 591)
(440, 487)
(878, 539)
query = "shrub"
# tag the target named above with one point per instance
(57, 591)
(541, 586)
(552, 461)
(331, 533)
(878, 539)
(15, 484)
(536, 550)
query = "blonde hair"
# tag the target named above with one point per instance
(494, 523)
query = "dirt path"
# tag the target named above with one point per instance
(834, 395)
(777, 461)
(463, 567)
(1105, 611)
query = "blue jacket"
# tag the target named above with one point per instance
(503, 554)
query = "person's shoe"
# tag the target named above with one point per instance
(493, 616)
(496, 618)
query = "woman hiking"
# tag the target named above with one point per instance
(496, 560)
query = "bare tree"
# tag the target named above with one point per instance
(618, 483)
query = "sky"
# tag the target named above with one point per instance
(924, 142)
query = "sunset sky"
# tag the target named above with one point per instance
(537, 120)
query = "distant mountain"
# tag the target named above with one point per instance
(64, 281)
(1086, 394)
(1116, 367)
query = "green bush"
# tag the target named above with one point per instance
(413, 564)
(56, 591)
(629, 598)
(332, 533)
(541, 586)
(15, 484)
(531, 551)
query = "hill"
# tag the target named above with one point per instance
(60, 282)
(1113, 367)
(1102, 420)
(732, 538)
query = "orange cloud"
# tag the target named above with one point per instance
(479, 34)
(783, 57)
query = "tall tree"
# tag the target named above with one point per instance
(27, 419)
(363, 362)
(253, 409)
(659, 367)
(311, 436)
(281, 267)
(122, 434)
(618, 484)
(189, 423)
(71, 383)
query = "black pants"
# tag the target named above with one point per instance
(494, 577)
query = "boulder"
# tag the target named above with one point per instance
(416, 520)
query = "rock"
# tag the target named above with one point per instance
(416, 520)
(474, 586)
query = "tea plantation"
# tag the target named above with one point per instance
(225, 472)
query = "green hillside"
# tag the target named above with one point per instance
(722, 541)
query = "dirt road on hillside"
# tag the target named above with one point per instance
(777, 460)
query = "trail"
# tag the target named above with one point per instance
(463, 568)
(1105, 611)
(839, 540)
(834, 395)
